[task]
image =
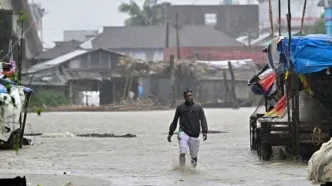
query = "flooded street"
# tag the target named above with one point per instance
(224, 159)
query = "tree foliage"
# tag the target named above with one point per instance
(149, 14)
(44, 98)
(317, 28)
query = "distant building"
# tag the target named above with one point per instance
(38, 13)
(79, 35)
(149, 42)
(234, 20)
(60, 48)
(10, 31)
(75, 72)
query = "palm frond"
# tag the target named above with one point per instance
(148, 15)
(132, 9)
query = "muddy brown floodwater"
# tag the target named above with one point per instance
(224, 159)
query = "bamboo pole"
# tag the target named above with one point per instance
(279, 20)
(271, 19)
(227, 89)
(173, 81)
(303, 14)
(233, 86)
(131, 77)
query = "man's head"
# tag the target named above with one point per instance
(188, 95)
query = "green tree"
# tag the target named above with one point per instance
(149, 14)
(317, 28)
(44, 98)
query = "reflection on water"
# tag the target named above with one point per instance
(187, 169)
(224, 159)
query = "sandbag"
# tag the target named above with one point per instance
(10, 109)
(320, 164)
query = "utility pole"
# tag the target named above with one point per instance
(173, 81)
(167, 35)
(21, 48)
(166, 26)
(279, 16)
(271, 19)
(303, 14)
(177, 28)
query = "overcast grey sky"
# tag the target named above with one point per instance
(90, 14)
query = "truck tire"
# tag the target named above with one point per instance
(266, 152)
(14, 141)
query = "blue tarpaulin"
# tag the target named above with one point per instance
(309, 54)
(3, 89)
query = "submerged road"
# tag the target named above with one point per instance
(224, 159)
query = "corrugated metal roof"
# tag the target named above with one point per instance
(239, 74)
(57, 61)
(54, 79)
(60, 49)
(87, 44)
(285, 34)
(240, 64)
(263, 36)
(154, 37)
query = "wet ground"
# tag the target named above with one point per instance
(224, 159)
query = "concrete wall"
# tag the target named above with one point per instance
(211, 90)
(214, 90)
(79, 35)
(235, 20)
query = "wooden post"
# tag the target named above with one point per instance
(167, 34)
(271, 19)
(279, 20)
(131, 78)
(233, 87)
(226, 94)
(173, 80)
(70, 92)
(86, 99)
(22, 47)
(303, 14)
(227, 90)
(110, 67)
(113, 91)
(177, 28)
(124, 94)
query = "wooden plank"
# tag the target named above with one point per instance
(309, 136)
(275, 129)
(277, 139)
(309, 141)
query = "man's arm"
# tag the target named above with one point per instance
(203, 121)
(174, 123)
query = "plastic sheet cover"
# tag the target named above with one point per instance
(309, 54)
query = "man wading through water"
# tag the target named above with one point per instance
(192, 118)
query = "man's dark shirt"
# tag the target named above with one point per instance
(192, 117)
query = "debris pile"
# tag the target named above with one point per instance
(12, 100)
(140, 104)
(69, 135)
(107, 135)
(320, 166)
(212, 132)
